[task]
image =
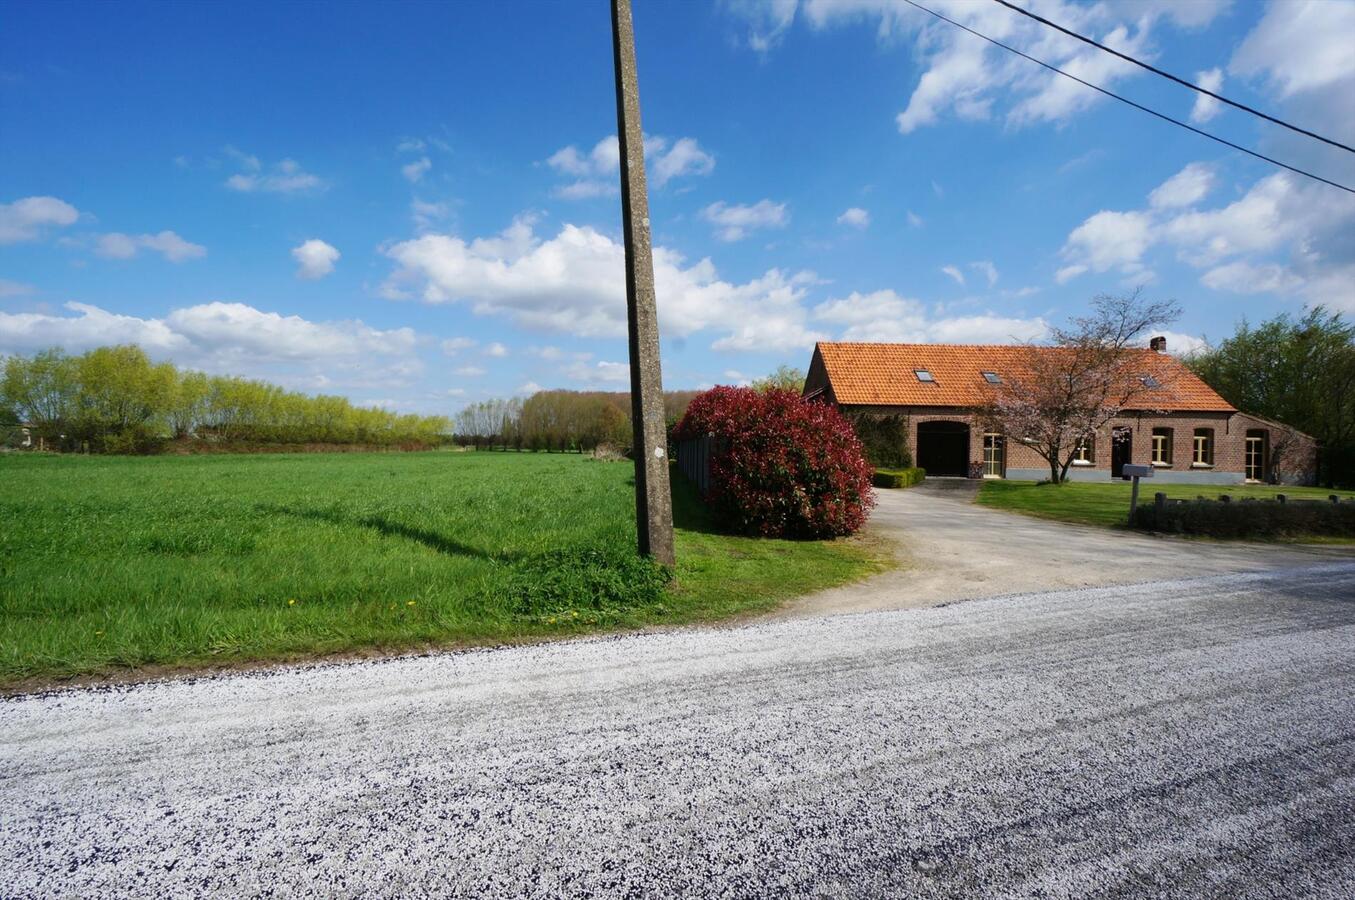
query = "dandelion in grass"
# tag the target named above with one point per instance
(291, 603)
(409, 603)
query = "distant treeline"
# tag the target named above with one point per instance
(558, 420)
(115, 400)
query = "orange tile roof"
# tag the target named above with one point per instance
(885, 375)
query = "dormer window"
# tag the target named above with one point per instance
(923, 375)
(992, 378)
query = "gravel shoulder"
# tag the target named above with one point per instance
(1190, 737)
(953, 549)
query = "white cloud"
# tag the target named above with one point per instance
(239, 328)
(26, 219)
(427, 213)
(585, 188)
(415, 171)
(767, 20)
(15, 288)
(575, 283)
(286, 177)
(887, 316)
(116, 245)
(914, 219)
(90, 327)
(986, 269)
(1186, 188)
(855, 217)
(315, 259)
(231, 338)
(1283, 236)
(595, 173)
(734, 221)
(470, 371)
(968, 78)
(1068, 273)
(530, 387)
(496, 350)
(684, 158)
(601, 372)
(955, 273)
(453, 346)
(1108, 240)
(1300, 45)
(1245, 278)
(1205, 107)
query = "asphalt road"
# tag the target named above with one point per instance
(1182, 738)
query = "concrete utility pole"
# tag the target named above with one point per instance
(653, 502)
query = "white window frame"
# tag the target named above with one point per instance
(1202, 445)
(1162, 442)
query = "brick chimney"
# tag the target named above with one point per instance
(1158, 344)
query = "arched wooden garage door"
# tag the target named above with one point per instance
(943, 448)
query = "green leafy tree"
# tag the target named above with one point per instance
(40, 390)
(1297, 371)
(116, 399)
(785, 378)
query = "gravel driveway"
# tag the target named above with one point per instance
(953, 549)
(1193, 737)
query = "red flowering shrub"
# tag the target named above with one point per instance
(781, 466)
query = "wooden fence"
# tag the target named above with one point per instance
(693, 457)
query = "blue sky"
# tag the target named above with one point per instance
(415, 204)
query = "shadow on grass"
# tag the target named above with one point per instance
(390, 528)
(689, 513)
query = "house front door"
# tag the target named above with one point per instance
(1121, 450)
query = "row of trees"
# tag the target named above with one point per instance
(115, 399)
(1298, 371)
(557, 420)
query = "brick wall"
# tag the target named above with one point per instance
(1229, 430)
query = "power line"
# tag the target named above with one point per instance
(1156, 71)
(1138, 106)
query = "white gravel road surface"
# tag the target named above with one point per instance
(953, 549)
(1184, 738)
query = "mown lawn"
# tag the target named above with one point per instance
(1107, 503)
(108, 563)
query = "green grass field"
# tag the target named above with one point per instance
(108, 563)
(1107, 503)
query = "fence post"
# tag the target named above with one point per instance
(1224, 498)
(1281, 499)
(1334, 498)
(1159, 509)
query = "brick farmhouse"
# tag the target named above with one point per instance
(1190, 434)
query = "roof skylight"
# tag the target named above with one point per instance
(992, 378)
(923, 375)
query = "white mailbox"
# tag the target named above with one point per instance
(1132, 471)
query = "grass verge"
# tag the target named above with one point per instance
(1107, 504)
(116, 563)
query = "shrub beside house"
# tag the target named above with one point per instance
(779, 466)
